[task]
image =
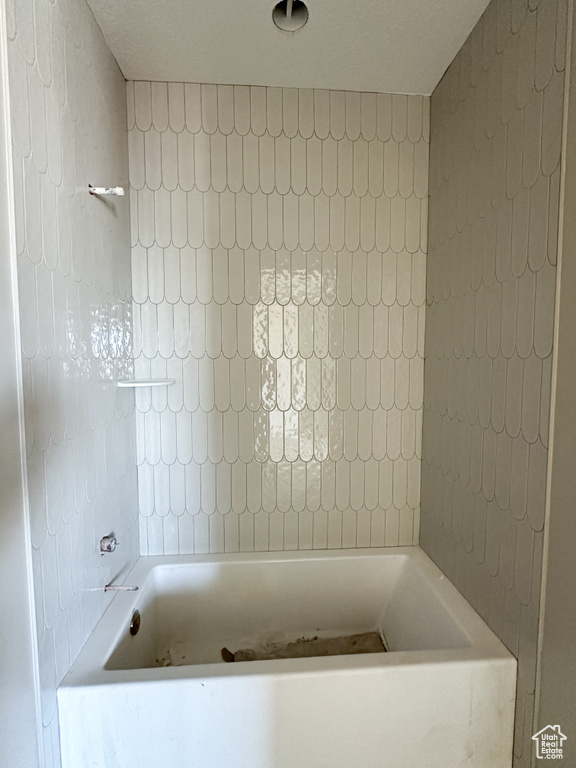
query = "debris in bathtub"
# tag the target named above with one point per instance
(164, 661)
(366, 642)
(227, 655)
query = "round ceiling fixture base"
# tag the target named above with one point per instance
(290, 15)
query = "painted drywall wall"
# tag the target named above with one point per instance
(279, 270)
(68, 122)
(494, 193)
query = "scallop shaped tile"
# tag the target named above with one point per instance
(526, 60)
(345, 166)
(176, 107)
(545, 400)
(245, 436)
(416, 107)
(275, 221)
(263, 437)
(506, 559)
(493, 532)
(498, 399)
(484, 175)
(190, 383)
(525, 315)
(553, 214)
(514, 377)
(188, 286)
(538, 229)
(531, 389)
(321, 113)
(353, 114)
(192, 105)
(243, 219)
(242, 109)
(162, 218)
(391, 168)
(384, 116)
(266, 161)
(306, 112)
(561, 34)
(321, 222)
(404, 224)
(178, 218)
(399, 117)
(544, 310)
(185, 160)
(520, 229)
(395, 330)
(383, 223)
(159, 105)
(545, 43)
(290, 221)
(290, 111)
(484, 391)
(33, 217)
(169, 155)
(503, 467)
(184, 437)
(250, 156)
(259, 219)
(274, 111)
(258, 110)
(523, 561)
(394, 434)
(234, 162)
(536, 492)
(409, 429)
(493, 339)
(238, 487)
(499, 165)
(509, 77)
(481, 315)
(493, 109)
(551, 123)
(195, 218)
(518, 14)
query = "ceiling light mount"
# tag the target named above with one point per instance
(290, 15)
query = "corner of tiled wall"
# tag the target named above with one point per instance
(278, 258)
(494, 197)
(68, 123)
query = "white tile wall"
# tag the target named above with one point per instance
(68, 104)
(494, 195)
(278, 261)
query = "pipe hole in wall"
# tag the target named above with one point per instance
(290, 15)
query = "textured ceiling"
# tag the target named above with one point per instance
(391, 46)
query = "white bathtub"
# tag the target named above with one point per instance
(442, 697)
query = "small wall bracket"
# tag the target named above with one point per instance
(119, 191)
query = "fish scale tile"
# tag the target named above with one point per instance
(279, 258)
(490, 316)
(74, 287)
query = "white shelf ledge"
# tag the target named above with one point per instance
(146, 382)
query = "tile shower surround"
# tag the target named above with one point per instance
(68, 125)
(494, 197)
(278, 263)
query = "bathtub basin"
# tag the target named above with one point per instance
(443, 695)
